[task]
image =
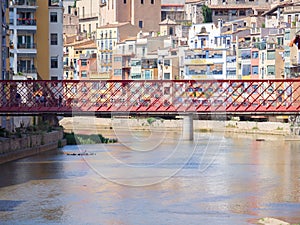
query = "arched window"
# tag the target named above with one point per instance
(203, 30)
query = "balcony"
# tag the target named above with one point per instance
(26, 70)
(26, 46)
(26, 22)
(24, 3)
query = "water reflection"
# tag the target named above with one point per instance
(246, 181)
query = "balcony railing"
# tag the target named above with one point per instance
(26, 22)
(25, 2)
(26, 70)
(27, 45)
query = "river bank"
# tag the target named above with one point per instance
(90, 125)
(30, 144)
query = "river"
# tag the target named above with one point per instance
(156, 178)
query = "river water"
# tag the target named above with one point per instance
(156, 178)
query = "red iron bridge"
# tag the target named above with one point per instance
(152, 97)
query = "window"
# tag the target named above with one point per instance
(117, 72)
(166, 62)
(83, 73)
(270, 55)
(255, 70)
(254, 55)
(152, 2)
(130, 47)
(289, 18)
(83, 62)
(53, 17)
(83, 12)
(135, 63)
(143, 51)
(142, 1)
(117, 59)
(242, 13)
(231, 72)
(53, 39)
(271, 70)
(54, 62)
(148, 74)
(246, 70)
(167, 76)
(246, 54)
(54, 78)
(125, 2)
(140, 24)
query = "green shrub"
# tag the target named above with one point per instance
(73, 139)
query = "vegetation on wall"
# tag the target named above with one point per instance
(207, 14)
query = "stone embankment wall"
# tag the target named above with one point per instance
(274, 128)
(16, 148)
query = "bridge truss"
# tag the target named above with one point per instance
(232, 97)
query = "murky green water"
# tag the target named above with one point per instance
(158, 180)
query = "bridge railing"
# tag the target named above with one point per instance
(176, 96)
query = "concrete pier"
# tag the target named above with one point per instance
(188, 127)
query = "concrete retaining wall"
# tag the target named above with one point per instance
(16, 148)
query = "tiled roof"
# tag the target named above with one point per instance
(237, 6)
(87, 45)
(193, 1)
(78, 44)
(114, 25)
(172, 2)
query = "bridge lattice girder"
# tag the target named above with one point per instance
(151, 96)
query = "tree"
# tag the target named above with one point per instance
(207, 14)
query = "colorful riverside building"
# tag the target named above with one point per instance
(36, 43)
(107, 38)
(75, 48)
(87, 61)
(4, 121)
(4, 41)
(206, 58)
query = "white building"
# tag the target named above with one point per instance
(56, 42)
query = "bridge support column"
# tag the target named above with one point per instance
(187, 127)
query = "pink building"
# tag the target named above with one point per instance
(254, 63)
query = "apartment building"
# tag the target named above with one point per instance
(173, 9)
(168, 64)
(144, 14)
(88, 13)
(71, 22)
(56, 41)
(73, 50)
(4, 121)
(193, 11)
(4, 42)
(107, 38)
(31, 23)
(206, 58)
(122, 55)
(87, 60)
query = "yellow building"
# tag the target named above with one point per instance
(36, 39)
